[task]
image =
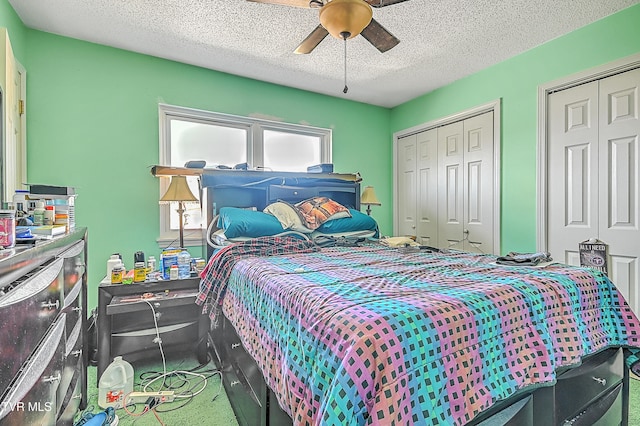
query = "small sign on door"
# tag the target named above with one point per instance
(594, 254)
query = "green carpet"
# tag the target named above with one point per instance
(198, 410)
(634, 401)
(201, 410)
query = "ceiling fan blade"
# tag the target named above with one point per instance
(312, 40)
(294, 3)
(383, 3)
(377, 35)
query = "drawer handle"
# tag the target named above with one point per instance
(77, 309)
(603, 382)
(52, 379)
(235, 345)
(50, 305)
(235, 383)
(76, 353)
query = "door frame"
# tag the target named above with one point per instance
(544, 90)
(459, 116)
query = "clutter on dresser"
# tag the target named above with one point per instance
(43, 212)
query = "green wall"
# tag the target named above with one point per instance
(515, 81)
(93, 124)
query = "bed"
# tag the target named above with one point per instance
(359, 333)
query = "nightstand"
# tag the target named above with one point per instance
(126, 325)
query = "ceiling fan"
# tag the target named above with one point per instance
(344, 19)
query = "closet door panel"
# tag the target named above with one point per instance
(625, 273)
(406, 181)
(573, 170)
(478, 183)
(450, 185)
(427, 208)
(619, 155)
(619, 163)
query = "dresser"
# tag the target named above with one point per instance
(43, 360)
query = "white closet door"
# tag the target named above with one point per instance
(619, 158)
(593, 175)
(427, 173)
(478, 186)
(406, 181)
(450, 185)
(573, 170)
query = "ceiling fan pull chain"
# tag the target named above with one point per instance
(344, 36)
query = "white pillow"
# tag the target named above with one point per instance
(288, 216)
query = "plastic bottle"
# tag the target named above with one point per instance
(113, 261)
(117, 274)
(115, 383)
(184, 265)
(49, 215)
(151, 263)
(38, 214)
(20, 200)
(139, 272)
(173, 272)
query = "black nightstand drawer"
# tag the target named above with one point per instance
(159, 300)
(141, 343)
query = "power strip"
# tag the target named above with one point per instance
(163, 396)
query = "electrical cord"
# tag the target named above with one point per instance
(164, 374)
(178, 381)
(158, 340)
(186, 235)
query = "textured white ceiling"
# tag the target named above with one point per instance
(440, 40)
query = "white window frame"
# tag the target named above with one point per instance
(255, 154)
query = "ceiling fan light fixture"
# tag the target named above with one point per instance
(345, 16)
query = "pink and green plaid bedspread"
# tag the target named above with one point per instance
(370, 335)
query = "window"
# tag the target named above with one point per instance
(224, 140)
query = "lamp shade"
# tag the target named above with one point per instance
(369, 197)
(345, 17)
(178, 191)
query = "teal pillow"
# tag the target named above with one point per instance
(236, 222)
(357, 222)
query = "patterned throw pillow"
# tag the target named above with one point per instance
(317, 210)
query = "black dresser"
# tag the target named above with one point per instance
(43, 356)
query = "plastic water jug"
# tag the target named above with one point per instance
(184, 265)
(115, 383)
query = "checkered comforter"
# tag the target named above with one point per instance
(371, 335)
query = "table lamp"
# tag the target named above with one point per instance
(369, 198)
(179, 191)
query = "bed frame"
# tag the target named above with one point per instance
(596, 392)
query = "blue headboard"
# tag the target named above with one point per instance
(250, 188)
